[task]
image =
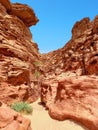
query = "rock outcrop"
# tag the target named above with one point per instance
(80, 54)
(17, 52)
(69, 88)
(72, 97)
(77, 99)
(11, 120)
(22, 11)
(25, 13)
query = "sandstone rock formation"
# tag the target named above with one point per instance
(25, 13)
(17, 52)
(80, 54)
(69, 88)
(72, 97)
(11, 120)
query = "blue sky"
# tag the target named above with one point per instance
(57, 18)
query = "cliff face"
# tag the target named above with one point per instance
(17, 52)
(70, 85)
(80, 54)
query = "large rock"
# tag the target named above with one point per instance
(18, 52)
(22, 11)
(25, 13)
(73, 97)
(11, 120)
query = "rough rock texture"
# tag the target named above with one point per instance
(70, 86)
(22, 11)
(49, 87)
(11, 93)
(17, 54)
(73, 98)
(25, 13)
(6, 3)
(80, 54)
(11, 120)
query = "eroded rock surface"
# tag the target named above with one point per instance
(22, 11)
(73, 98)
(6, 3)
(25, 13)
(69, 89)
(11, 120)
(80, 54)
(18, 52)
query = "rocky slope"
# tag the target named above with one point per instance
(17, 52)
(80, 54)
(70, 85)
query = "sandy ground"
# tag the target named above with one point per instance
(40, 120)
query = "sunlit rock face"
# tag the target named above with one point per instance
(18, 52)
(69, 88)
(6, 4)
(80, 54)
(25, 13)
(72, 97)
(77, 99)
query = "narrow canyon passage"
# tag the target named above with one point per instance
(40, 120)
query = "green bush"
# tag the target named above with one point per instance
(22, 107)
(37, 63)
(37, 74)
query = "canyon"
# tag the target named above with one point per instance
(65, 80)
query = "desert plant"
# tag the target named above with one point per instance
(37, 74)
(22, 107)
(37, 63)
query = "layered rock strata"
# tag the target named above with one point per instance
(80, 54)
(69, 89)
(17, 52)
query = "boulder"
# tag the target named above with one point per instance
(25, 13)
(73, 97)
(11, 120)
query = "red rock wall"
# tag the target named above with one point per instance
(77, 99)
(17, 51)
(69, 90)
(80, 54)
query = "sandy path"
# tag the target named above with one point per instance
(40, 120)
